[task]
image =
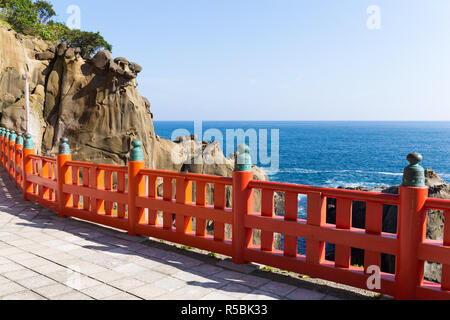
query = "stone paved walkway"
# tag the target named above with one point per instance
(46, 257)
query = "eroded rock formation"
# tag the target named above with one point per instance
(93, 102)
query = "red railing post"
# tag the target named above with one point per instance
(27, 165)
(12, 155)
(2, 152)
(6, 151)
(63, 176)
(242, 204)
(411, 229)
(17, 161)
(136, 185)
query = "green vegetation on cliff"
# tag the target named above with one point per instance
(35, 18)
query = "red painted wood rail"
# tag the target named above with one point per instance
(127, 198)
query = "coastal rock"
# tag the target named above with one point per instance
(96, 105)
(102, 59)
(46, 55)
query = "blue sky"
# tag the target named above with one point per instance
(281, 59)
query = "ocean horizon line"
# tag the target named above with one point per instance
(315, 121)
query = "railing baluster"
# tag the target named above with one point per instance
(374, 223)
(316, 216)
(108, 187)
(219, 203)
(184, 196)
(291, 214)
(152, 194)
(267, 210)
(168, 196)
(344, 209)
(94, 179)
(86, 184)
(45, 175)
(76, 182)
(445, 267)
(200, 196)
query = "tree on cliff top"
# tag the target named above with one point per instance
(35, 18)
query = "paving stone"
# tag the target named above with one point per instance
(236, 290)
(36, 282)
(244, 268)
(217, 295)
(73, 295)
(229, 275)
(260, 295)
(191, 292)
(34, 262)
(81, 282)
(252, 281)
(197, 279)
(149, 276)
(108, 276)
(101, 291)
(48, 268)
(169, 283)
(20, 274)
(122, 297)
(9, 288)
(171, 296)
(129, 269)
(166, 269)
(9, 267)
(127, 284)
(23, 295)
(86, 267)
(303, 294)
(148, 292)
(53, 290)
(207, 269)
(278, 288)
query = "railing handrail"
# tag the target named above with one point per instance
(355, 195)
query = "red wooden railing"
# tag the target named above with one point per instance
(86, 191)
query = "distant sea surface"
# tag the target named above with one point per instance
(349, 154)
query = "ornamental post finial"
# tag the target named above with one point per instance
(64, 148)
(28, 142)
(243, 161)
(137, 154)
(414, 174)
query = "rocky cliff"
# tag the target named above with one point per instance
(93, 102)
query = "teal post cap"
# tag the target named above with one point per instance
(7, 134)
(13, 137)
(243, 161)
(2, 132)
(414, 174)
(20, 139)
(28, 142)
(137, 153)
(64, 148)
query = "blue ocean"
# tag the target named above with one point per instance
(348, 154)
